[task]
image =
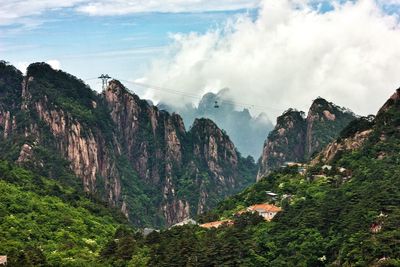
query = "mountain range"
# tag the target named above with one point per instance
(126, 152)
(82, 173)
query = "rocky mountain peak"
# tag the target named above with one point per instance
(204, 124)
(212, 142)
(116, 87)
(296, 138)
(290, 116)
(393, 100)
(285, 143)
(356, 133)
(247, 132)
(325, 120)
(117, 146)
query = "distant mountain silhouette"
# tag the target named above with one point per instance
(247, 132)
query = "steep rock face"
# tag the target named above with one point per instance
(36, 117)
(152, 140)
(296, 138)
(392, 101)
(213, 148)
(10, 100)
(332, 150)
(163, 153)
(124, 150)
(324, 122)
(285, 143)
(375, 128)
(85, 150)
(151, 137)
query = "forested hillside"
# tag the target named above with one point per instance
(47, 223)
(346, 213)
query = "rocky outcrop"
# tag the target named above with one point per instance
(160, 150)
(83, 147)
(296, 138)
(285, 143)
(8, 123)
(393, 100)
(152, 138)
(26, 154)
(213, 148)
(355, 135)
(324, 123)
(332, 150)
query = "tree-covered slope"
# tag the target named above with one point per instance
(46, 223)
(346, 215)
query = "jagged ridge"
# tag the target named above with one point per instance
(297, 138)
(123, 149)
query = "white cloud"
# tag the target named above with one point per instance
(121, 7)
(290, 55)
(54, 63)
(27, 12)
(23, 65)
(22, 11)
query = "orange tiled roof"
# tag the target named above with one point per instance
(3, 259)
(265, 207)
(241, 211)
(215, 224)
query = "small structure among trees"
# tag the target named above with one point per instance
(216, 224)
(267, 211)
(3, 260)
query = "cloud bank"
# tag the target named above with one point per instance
(289, 55)
(30, 12)
(122, 7)
(24, 11)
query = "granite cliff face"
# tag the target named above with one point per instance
(297, 138)
(118, 147)
(285, 143)
(374, 128)
(332, 150)
(324, 122)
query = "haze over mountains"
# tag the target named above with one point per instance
(247, 132)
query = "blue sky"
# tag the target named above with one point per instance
(86, 45)
(272, 54)
(123, 45)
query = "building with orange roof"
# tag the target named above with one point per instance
(3, 260)
(216, 224)
(267, 211)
